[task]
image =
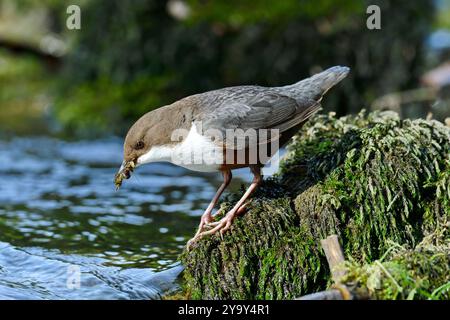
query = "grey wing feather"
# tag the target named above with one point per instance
(265, 110)
(253, 107)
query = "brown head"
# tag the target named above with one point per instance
(153, 129)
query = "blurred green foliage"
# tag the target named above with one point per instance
(443, 15)
(23, 90)
(133, 56)
(238, 13)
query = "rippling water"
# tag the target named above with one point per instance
(65, 233)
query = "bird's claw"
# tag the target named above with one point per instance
(219, 226)
(190, 243)
(212, 227)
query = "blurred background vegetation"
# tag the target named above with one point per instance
(132, 56)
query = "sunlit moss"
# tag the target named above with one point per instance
(404, 273)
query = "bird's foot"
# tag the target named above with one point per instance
(240, 211)
(218, 226)
(205, 220)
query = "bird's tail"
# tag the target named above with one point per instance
(316, 86)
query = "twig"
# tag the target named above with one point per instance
(335, 257)
(333, 294)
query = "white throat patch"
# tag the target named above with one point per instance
(195, 152)
(156, 154)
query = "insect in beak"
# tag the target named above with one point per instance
(124, 172)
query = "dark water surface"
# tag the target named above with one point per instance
(65, 233)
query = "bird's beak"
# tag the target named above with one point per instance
(124, 172)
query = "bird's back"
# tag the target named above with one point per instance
(309, 89)
(260, 107)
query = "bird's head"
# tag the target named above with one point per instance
(150, 138)
(138, 142)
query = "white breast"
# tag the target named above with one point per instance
(195, 152)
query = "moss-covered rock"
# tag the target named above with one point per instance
(405, 273)
(371, 179)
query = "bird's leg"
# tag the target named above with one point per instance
(207, 217)
(225, 223)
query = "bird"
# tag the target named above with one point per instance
(193, 133)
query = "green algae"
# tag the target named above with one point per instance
(372, 179)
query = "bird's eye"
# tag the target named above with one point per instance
(139, 145)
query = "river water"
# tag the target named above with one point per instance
(65, 233)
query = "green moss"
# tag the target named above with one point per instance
(371, 179)
(404, 273)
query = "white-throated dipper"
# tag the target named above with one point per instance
(225, 129)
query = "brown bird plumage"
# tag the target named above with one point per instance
(208, 118)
